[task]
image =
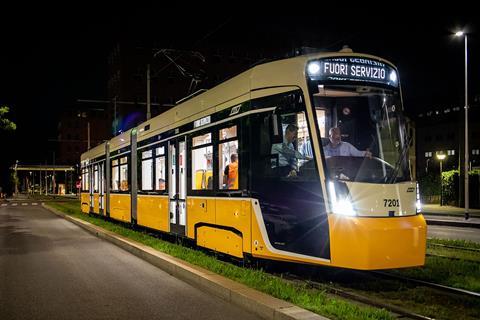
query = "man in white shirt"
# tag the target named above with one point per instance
(287, 155)
(337, 147)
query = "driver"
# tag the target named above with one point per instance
(336, 147)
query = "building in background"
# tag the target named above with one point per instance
(442, 130)
(76, 127)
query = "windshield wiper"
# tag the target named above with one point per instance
(393, 177)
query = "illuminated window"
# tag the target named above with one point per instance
(85, 183)
(201, 140)
(228, 160)
(202, 162)
(160, 182)
(95, 179)
(120, 174)
(228, 133)
(115, 175)
(147, 170)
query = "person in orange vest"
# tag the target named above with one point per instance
(230, 174)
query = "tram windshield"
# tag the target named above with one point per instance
(362, 133)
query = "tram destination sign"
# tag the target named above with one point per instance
(353, 69)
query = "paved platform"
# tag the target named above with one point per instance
(52, 269)
(450, 216)
(248, 299)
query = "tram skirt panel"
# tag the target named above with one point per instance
(152, 212)
(85, 202)
(120, 207)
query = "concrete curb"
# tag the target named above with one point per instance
(238, 294)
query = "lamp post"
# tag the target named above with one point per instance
(460, 34)
(441, 157)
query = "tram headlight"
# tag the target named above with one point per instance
(313, 68)
(340, 200)
(418, 203)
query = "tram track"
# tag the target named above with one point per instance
(453, 247)
(348, 284)
(398, 312)
(450, 257)
(436, 286)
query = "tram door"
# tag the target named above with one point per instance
(101, 187)
(177, 186)
(92, 186)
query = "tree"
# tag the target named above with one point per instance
(6, 124)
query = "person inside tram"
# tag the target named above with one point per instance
(230, 174)
(287, 155)
(124, 185)
(336, 147)
(161, 184)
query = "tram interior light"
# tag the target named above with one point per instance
(313, 68)
(341, 203)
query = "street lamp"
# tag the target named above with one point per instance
(460, 34)
(441, 157)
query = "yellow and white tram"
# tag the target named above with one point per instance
(297, 195)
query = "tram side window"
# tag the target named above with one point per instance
(115, 175)
(283, 139)
(202, 162)
(228, 159)
(85, 184)
(160, 183)
(295, 150)
(147, 170)
(95, 179)
(124, 174)
(87, 180)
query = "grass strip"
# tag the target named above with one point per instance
(455, 243)
(463, 272)
(297, 293)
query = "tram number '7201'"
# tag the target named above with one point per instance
(391, 203)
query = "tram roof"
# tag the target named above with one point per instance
(41, 167)
(279, 73)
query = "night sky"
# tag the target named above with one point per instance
(51, 56)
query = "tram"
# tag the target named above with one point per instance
(302, 160)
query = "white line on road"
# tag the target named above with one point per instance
(4, 204)
(14, 204)
(34, 203)
(24, 204)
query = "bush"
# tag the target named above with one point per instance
(450, 182)
(429, 187)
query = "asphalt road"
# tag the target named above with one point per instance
(447, 232)
(52, 269)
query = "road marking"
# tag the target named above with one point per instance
(24, 204)
(14, 204)
(4, 204)
(34, 204)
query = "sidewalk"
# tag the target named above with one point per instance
(450, 216)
